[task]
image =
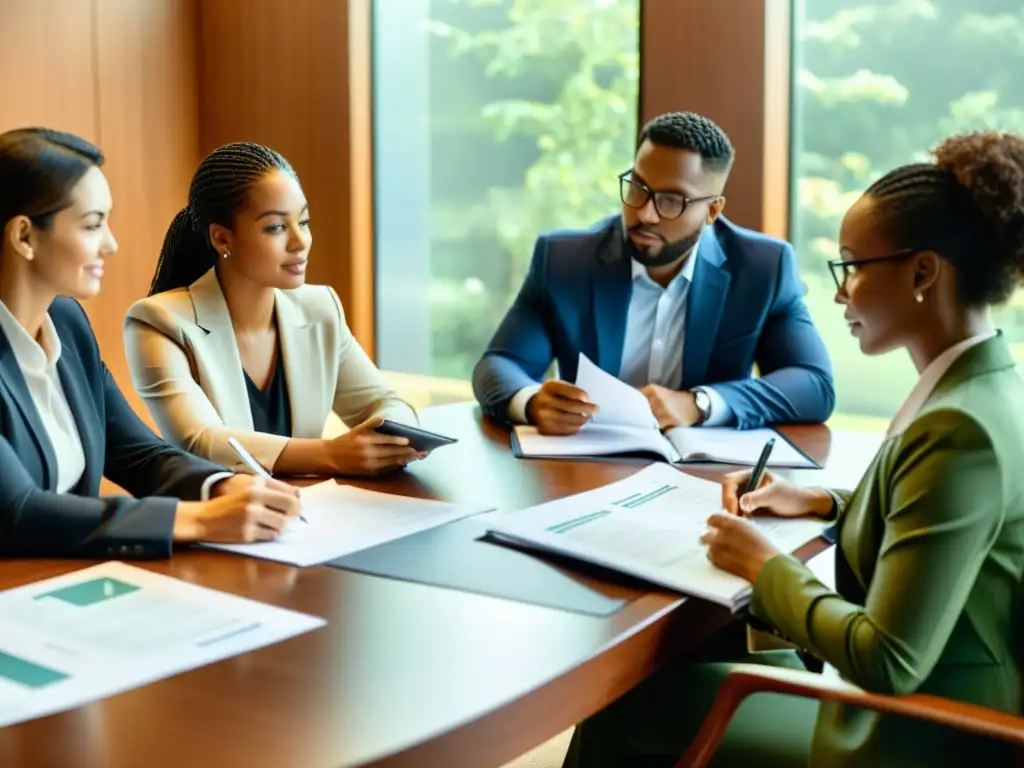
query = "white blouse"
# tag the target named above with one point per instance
(38, 363)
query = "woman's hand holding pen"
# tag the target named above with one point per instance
(242, 509)
(734, 543)
(773, 496)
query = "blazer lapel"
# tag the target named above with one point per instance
(12, 378)
(226, 376)
(300, 345)
(91, 433)
(612, 290)
(704, 308)
(991, 355)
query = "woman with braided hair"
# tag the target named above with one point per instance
(930, 545)
(232, 343)
(64, 424)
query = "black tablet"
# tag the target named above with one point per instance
(420, 439)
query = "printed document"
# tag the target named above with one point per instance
(648, 525)
(620, 404)
(341, 519)
(625, 426)
(103, 630)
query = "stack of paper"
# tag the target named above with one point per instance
(341, 519)
(648, 525)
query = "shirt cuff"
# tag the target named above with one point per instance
(208, 483)
(517, 405)
(721, 413)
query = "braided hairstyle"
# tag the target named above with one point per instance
(217, 192)
(39, 168)
(967, 206)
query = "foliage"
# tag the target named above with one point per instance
(877, 86)
(575, 139)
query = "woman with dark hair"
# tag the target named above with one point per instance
(930, 548)
(63, 422)
(232, 343)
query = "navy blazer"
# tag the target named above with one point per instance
(745, 306)
(37, 521)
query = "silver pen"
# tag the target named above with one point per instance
(251, 463)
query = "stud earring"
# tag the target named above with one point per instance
(227, 253)
(920, 298)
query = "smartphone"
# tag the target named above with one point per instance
(419, 439)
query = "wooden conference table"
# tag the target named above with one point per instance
(404, 674)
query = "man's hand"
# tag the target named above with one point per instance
(671, 408)
(559, 408)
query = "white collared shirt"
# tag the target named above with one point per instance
(930, 376)
(38, 363)
(652, 350)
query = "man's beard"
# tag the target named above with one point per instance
(669, 253)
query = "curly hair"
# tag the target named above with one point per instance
(218, 190)
(967, 206)
(688, 130)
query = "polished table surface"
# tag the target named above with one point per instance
(404, 674)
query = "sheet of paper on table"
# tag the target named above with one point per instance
(99, 631)
(341, 519)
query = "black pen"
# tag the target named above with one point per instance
(249, 461)
(762, 462)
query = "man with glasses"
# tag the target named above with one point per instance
(670, 297)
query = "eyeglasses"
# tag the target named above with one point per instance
(841, 269)
(669, 205)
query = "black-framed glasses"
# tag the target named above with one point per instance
(669, 205)
(841, 269)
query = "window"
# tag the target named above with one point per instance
(877, 85)
(495, 120)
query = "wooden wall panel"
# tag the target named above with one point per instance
(728, 60)
(288, 80)
(47, 73)
(147, 108)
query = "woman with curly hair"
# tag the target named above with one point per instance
(930, 545)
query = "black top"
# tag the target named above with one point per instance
(35, 521)
(271, 412)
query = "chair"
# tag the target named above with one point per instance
(550, 754)
(747, 679)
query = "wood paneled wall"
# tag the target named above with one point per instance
(300, 82)
(729, 60)
(122, 74)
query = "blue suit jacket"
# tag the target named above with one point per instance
(37, 521)
(745, 306)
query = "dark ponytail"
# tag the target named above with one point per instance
(217, 192)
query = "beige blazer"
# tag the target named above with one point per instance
(185, 366)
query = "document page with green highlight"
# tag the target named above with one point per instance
(649, 526)
(102, 630)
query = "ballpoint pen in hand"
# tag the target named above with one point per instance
(251, 463)
(762, 462)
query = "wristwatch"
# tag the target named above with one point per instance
(703, 402)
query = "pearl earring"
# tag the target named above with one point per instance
(920, 298)
(227, 253)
